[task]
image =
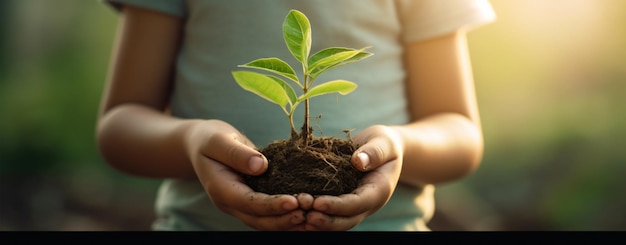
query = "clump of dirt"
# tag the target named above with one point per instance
(322, 167)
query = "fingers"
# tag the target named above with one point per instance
(268, 212)
(305, 201)
(332, 213)
(227, 188)
(372, 193)
(257, 210)
(224, 154)
(378, 146)
(318, 221)
(232, 150)
(289, 222)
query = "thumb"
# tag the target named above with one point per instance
(372, 154)
(231, 151)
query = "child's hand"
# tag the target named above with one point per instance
(381, 156)
(217, 150)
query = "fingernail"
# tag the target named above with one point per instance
(255, 164)
(364, 159)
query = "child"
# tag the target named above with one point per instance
(172, 110)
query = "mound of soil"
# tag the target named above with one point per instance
(321, 168)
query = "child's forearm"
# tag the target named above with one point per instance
(142, 141)
(440, 148)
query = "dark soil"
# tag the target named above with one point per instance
(321, 168)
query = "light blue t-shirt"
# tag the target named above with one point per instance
(221, 34)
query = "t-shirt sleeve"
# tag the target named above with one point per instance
(173, 7)
(424, 19)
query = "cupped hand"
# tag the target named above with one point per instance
(380, 155)
(218, 151)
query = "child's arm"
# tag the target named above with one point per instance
(137, 136)
(442, 143)
(444, 140)
(134, 134)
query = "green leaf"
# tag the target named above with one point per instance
(342, 87)
(297, 35)
(264, 86)
(291, 94)
(329, 58)
(274, 65)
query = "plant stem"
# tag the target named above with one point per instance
(294, 134)
(306, 128)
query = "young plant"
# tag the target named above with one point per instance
(277, 89)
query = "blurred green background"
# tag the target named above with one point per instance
(551, 83)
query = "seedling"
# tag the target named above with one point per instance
(276, 86)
